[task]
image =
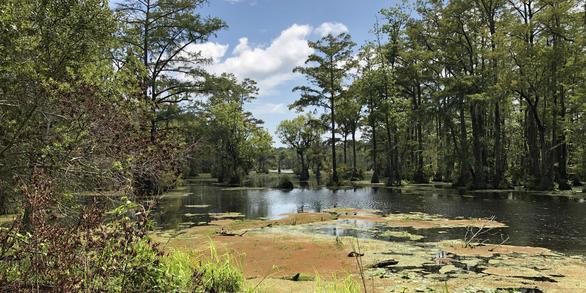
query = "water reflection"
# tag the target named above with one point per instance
(533, 219)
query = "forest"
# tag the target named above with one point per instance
(483, 94)
(106, 107)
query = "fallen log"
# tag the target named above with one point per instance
(355, 254)
(385, 263)
(226, 233)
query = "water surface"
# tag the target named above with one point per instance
(534, 219)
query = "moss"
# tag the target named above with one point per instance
(402, 234)
(221, 216)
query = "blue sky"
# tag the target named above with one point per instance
(266, 39)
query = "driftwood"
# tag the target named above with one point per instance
(355, 254)
(473, 235)
(385, 263)
(226, 233)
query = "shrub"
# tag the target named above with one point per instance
(218, 274)
(285, 183)
(86, 249)
(179, 268)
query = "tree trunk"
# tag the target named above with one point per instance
(334, 163)
(419, 176)
(477, 116)
(563, 148)
(375, 175)
(389, 144)
(354, 169)
(345, 144)
(304, 176)
(464, 166)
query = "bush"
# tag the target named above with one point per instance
(92, 249)
(358, 175)
(179, 268)
(86, 249)
(170, 180)
(218, 274)
(285, 183)
(344, 172)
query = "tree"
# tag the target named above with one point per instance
(367, 85)
(349, 116)
(161, 34)
(497, 82)
(261, 143)
(61, 105)
(230, 129)
(326, 71)
(300, 134)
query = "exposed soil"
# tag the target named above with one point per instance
(275, 251)
(281, 255)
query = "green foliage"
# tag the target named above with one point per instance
(57, 256)
(326, 71)
(480, 93)
(239, 143)
(285, 183)
(346, 285)
(179, 268)
(301, 134)
(218, 274)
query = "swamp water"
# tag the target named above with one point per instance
(533, 219)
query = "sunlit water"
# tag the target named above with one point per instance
(558, 223)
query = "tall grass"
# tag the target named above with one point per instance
(179, 267)
(218, 273)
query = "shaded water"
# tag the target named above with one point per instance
(534, 219)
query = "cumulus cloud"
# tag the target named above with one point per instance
(270, 65)
(333, 28)
(210, 50)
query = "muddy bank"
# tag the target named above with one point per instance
(270, 252)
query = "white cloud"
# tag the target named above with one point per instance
(270, 66)
(241, 47)
(268, 108)
(333, 28)
(211, 50)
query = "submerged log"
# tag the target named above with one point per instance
(385, 263)
(226, 233)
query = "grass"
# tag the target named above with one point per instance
(219, 273)
(180, 267)
(346, 285)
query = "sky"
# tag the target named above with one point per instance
(266, 39)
